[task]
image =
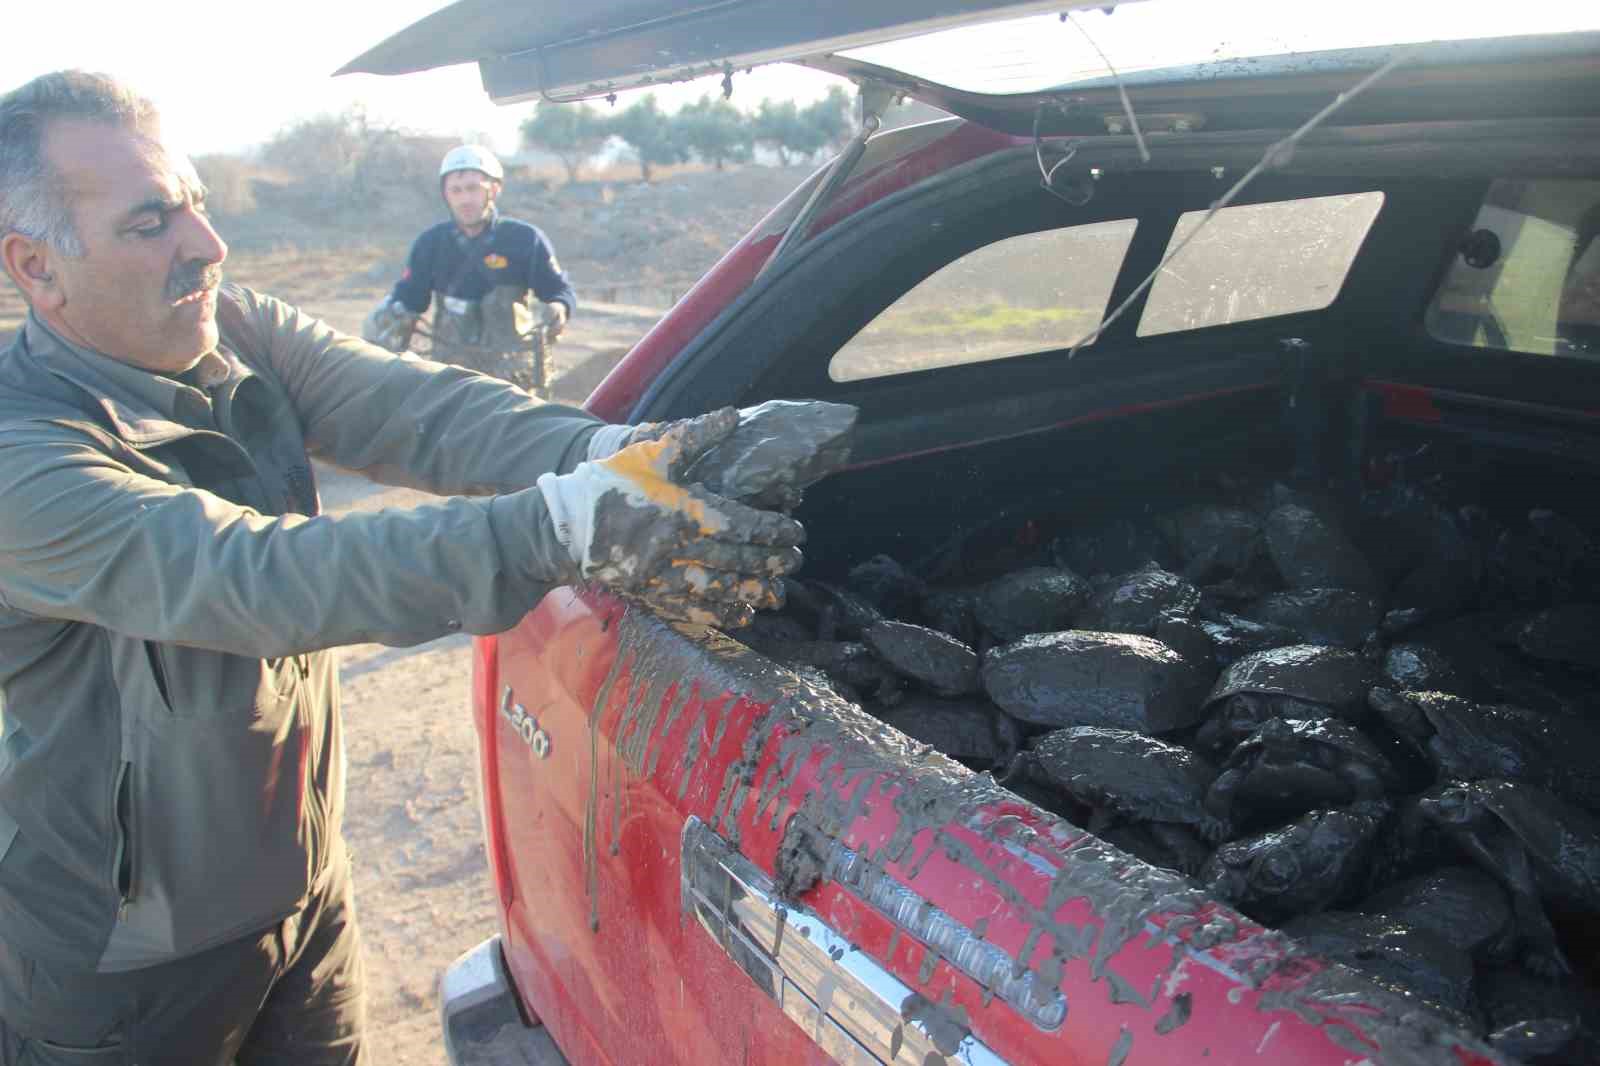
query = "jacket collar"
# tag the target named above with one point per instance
(145, 408)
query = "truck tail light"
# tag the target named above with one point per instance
(486, 689)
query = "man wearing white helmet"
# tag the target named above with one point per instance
(479, 264)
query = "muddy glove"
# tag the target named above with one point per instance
(779, 448)
(555, 317)
(389, 326)
(632, 527)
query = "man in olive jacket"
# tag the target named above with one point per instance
(173, 882)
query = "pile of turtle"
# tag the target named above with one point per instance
(1366, 719)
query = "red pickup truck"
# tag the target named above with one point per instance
(702, 856)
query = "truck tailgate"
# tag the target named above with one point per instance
(678, 812)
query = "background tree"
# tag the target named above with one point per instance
(344, 161)
(652, 135)
(715, 131)
(776, 125)
(573, 133)
(831, 119)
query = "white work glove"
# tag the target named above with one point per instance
(632, 527)
(389, 326)
(555, 317)
(608, 440)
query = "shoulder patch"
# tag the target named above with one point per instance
(495, 261)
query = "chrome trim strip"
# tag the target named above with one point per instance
(989, 965)
(849, 1004)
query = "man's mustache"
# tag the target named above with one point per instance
(193, 276)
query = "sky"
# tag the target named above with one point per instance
(229, 75)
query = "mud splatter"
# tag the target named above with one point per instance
(1121, 1049)
(805, 734)
(1177, 1014)
(946, 1024)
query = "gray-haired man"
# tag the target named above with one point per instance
(173, 882)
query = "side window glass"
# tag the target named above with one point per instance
(1031, 293)
(1258, 261)
(1526, 277)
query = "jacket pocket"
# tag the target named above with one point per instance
(125, 874)
(45, 1053)
(158, 670)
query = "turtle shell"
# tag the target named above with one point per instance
(1334, 677)
(1035, 599)
(1342, 618)
(1134, 775)
(1081, 677)
(1562, 841)
(1136, 602)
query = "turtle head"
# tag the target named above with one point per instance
(1234, 719)
(1400, 713)
(1452, 806)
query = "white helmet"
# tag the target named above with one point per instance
(471, 157)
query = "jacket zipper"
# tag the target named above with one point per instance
(127, 879)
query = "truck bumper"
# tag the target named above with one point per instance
(483, 1023)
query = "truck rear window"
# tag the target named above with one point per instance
(1526, 276)
(1258, 261)
(1020, 295)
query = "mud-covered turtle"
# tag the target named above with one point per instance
(1035, 599)
(1164, 844)
(1130, 774)
(1538, 1022)
(1424, 668)
(940, 662)
(1340, 618)
(1186, 635)
(768, 628)
(1476, 645)
(1548, 558)
(1468, 741)
(846, 663)
(1544, 850)
(1136, 602)
(953, 611)
(834, 612)
(1300, 868)
(1311, 551)
(888, 586)
(1461, 904)
(1116, 546)
(1565, 634)
(1409, 960)
(1288, 767)
(1081, 677)
(968, 730)
(1233, 638)
(779, 448)
(1302, 681)
(1217, 541)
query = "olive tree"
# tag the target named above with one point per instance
(573, 133)
(715, 131)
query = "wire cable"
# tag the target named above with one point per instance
(1277, 154)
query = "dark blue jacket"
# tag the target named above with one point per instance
(508, 252)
